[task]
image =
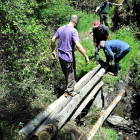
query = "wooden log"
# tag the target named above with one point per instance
(43, 135)
(28, 128)
(83, 81)
(105, 115)
(59, 121)
(87, 100)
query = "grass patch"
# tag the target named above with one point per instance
(85, 21)
(107, 134)
(31, 80)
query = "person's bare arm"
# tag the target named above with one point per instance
(97, 9)
(53, 47)
(108, 38)
(115, 4)
(82, 51)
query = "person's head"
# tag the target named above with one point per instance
(102, 44)
(74, 20)
(106, 1)
(97, 24)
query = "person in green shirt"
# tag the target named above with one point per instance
(105, 10)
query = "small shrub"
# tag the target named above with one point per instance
(136, 73)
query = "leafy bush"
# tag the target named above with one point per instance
(136, 72)
(107, 134)
(29, 80)
(112, 134)
(56, 14)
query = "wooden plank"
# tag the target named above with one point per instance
(59, 121)
(87, 100)
(105, 115)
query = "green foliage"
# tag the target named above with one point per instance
(111, 12)
(136, 72)
(93, 116)
(30, 79)
(112, 134)
(10, 131)
(56, 13)
(98, 136)
(107, 134)
(82, 68)
(85, 22)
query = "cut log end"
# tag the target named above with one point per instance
(21, 136)
(44, 135)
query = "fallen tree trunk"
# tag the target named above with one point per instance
(58, 122)
(87, 100)
(28, 128)
(57, 106)
(83, 81)
(105, 115)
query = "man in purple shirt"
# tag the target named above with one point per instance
(68, 38)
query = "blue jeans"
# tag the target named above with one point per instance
(117, 59)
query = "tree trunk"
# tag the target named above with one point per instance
(44, 135)
(105, 115)
(28, 128)
(56, 106)
(61, 118)
(87, 100)
(83, 81)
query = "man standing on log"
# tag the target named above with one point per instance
(105, 10)
(100, 32)
(119, 47)
(68, 38)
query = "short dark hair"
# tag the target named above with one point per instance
(74, 18)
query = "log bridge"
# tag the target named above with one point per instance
(49, 121)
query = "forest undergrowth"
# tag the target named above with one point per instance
(30, 79)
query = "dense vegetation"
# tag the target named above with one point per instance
(30, 79)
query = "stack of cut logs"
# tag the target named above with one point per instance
(48, 122)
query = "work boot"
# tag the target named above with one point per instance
(114, 70)
(70, 94)
(112, 73)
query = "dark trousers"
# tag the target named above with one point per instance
(97, 48)
(117, 59)
(69, 71)
(104, 17)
